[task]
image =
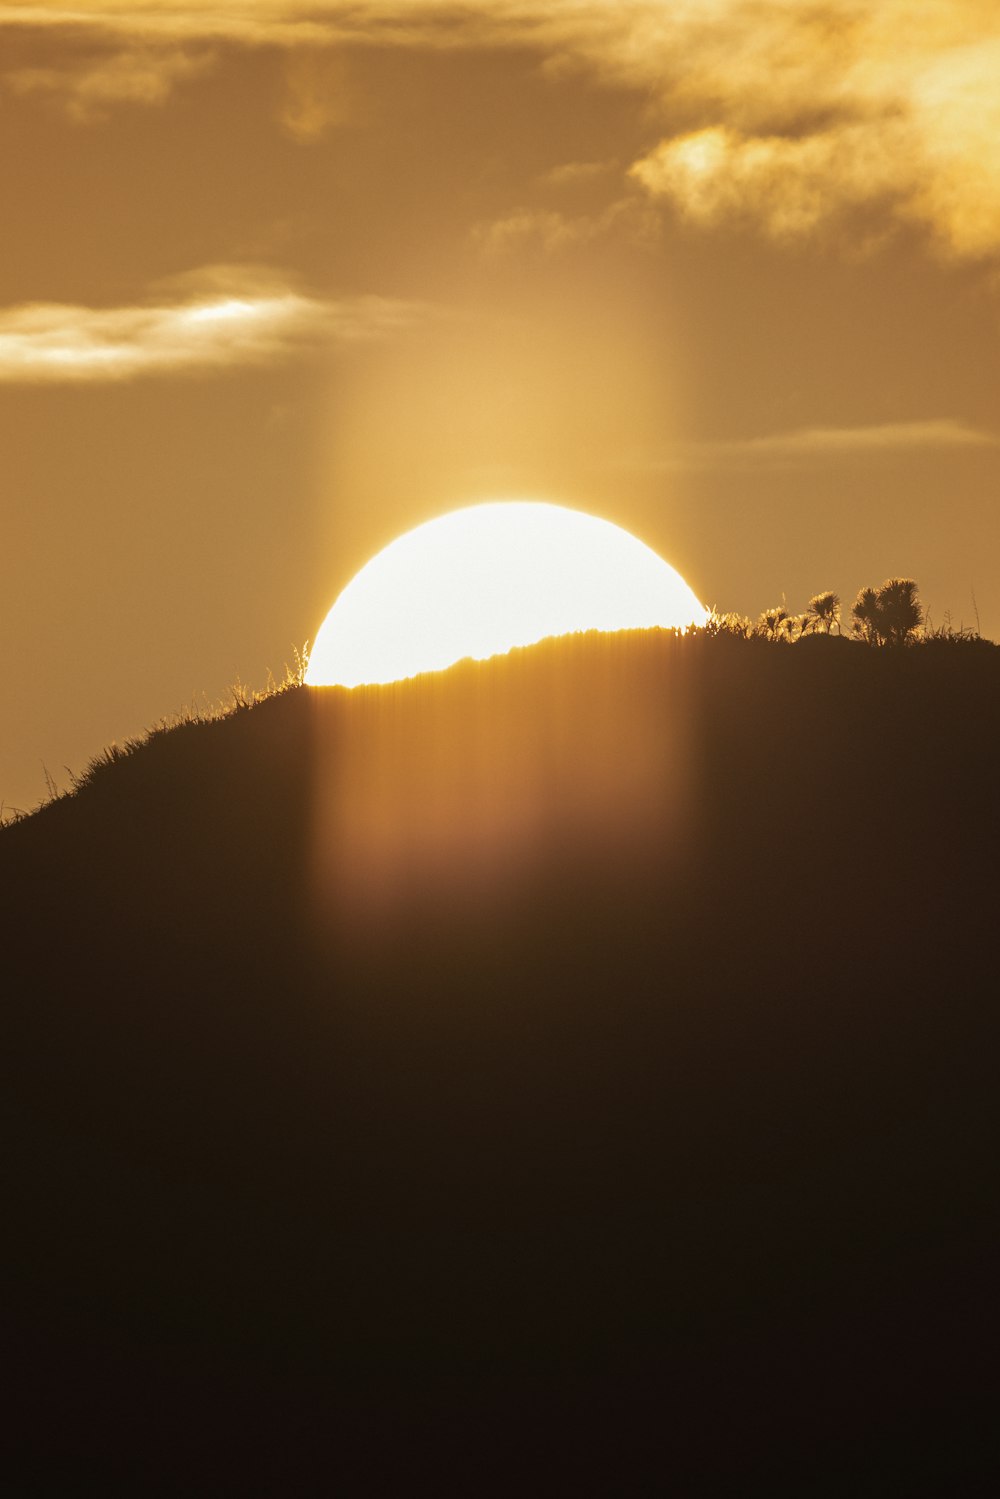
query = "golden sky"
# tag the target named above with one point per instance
(282, 279)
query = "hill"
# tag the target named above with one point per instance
(573, 1072)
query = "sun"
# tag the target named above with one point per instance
(480, 581)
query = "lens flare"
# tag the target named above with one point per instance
(480, 581)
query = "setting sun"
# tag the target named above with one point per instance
(480, 581)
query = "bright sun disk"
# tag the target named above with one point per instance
(480, 581)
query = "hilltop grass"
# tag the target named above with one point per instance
(239, 699)
(774, 627)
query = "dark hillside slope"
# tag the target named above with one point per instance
(573, 1066)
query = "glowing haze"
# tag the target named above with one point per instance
(480, 581)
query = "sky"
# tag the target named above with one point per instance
(281, 280)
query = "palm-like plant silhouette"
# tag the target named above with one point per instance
(773, 623)
(866, 618)
(902, 614)
(890, 615)
(823, 613)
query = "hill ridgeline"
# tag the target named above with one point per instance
(563, 1073)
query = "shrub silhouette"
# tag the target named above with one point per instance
(774, 624)
(729, 624)
(902, 614)
(821, 616)
(890, 615)
(865, 619)
(823, 613)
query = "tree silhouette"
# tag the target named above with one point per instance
(890, 615)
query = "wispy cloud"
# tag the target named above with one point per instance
(779, 111)
(317, 94)
(258, 23)
(88, 87)
(577, 173)
(810, 444)
(548, 230)
(199, 322)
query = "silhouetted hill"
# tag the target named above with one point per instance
(570, 1073)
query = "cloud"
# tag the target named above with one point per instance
(234, 319)
(541, 229)
(791, 185)
(802, 112)
(261, 22)
(577, 173)
(87, 87)
(807, 443)
(317, 94)
(817, 120)
(548, 231)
